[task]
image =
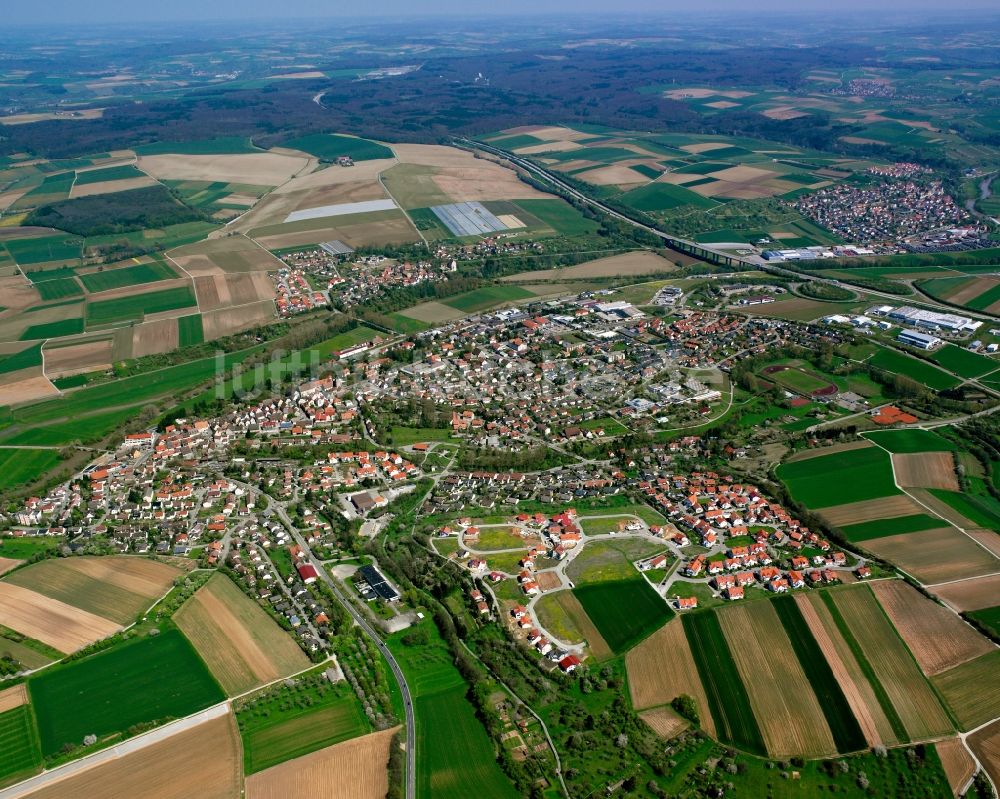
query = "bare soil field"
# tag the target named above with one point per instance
(548, 580)
(337, 193)
(354, 769)
(219, 291)
(985, 744)
(25, 385)
(971, 290)
(910, 694)
(619, 174)
(11, 698)
(787, 710)
(87, 356)
(975, 594)
(6, 564)
(664, 722)
(808, 454)
(50, 621)
(554, 147)
(784, 112)
(870, 510)
(109, 186)
(396, 230)
(640, 262)
(226, 321)
(17, 292)
(938, 638)
(926, 470)
(957, 763)
(224, 255)
(153, 337)
(143, 288)
(848, 673)
(205, 761)
(662, 668)
(972, 690)
(258, 169)
(432, 312)
(935, 556)
(240, 643)
(704, 147)
(550, 132)
(143, 576)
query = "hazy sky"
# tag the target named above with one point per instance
(75, 11)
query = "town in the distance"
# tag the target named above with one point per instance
(400, 409)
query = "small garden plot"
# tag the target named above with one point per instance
(140, 682)
(839, 478)
(624, 611)
(127, 276)
(20, 756)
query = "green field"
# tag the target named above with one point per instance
(487, 297)
(59, 288)
(847, 733)
(45, 248)
(37, 276)
(983, 511)
(329, 147)
(842, 477)
(514, 141)
(560, 216)
(911, 440)
(962, 362)
(988, 617)
(624, 611)
(122, 309)
(402, 436)
(986, 299)
(921, 371)
(663, 197)
(276, 737)
(127, 276)
(727, 697)
(219, 146)
(25, 359)
(64, 327)
(346, 339)
(882, 528)
(20, 756)
(190, 330)
(798, 380)
(86, 430)
(26, 547)
(124, 172)
(20, 466)
(147, 680)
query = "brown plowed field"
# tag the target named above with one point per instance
(787, 710)
(631, 263)
(957, 763)
(662, 668)
(935, 556)
(664, 722)
(25, 385)
(258, 169)
(354, 769)
(972, 690)
(6, 564)
(155, 336)
(548, 580)
(109, 186)
(988, 539)
(52, 622)
(938, 638)
(149, 578)
(225, 321)
(858, 691)
(87, 356)
(870, 510)
(204, 762)
(11, 698)
(986, 746)
(976, 594)
(926, 470)
(910, 693)
(239, 642)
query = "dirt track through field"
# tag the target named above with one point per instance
(354, 769)
(926, 470)
(50, 621)
(938, 639)
(662, 668)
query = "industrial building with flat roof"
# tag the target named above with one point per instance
(928, 320)
(917, 339)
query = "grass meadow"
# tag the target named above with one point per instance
(624, 611)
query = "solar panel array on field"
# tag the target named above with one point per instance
(468, 219)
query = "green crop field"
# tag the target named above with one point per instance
(487, 297)
(865, 531)
(25, 359)
(37, 276)
(986, 299)
(988, 617)
(842, 477)
(727, 697)
(85, 429)
(139, 682)
(329, 147)
(190, 330)
(219, 146)
(25, 547)
(515, 141)
(560, 216)
(911, 440)
(64, 327)
(663, 197)
(964, 363)
(124, 172)
(921, 371)
(276, 737)
(624, 611)
(127, 276)
(45, 248)
(59, 288)
(453, 751)
(123, 309)
(847, 733)
(19, 753)
(983, 511)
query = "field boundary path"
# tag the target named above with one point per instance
(128, 747)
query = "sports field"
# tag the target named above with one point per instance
(840, 478)
(145, 680)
